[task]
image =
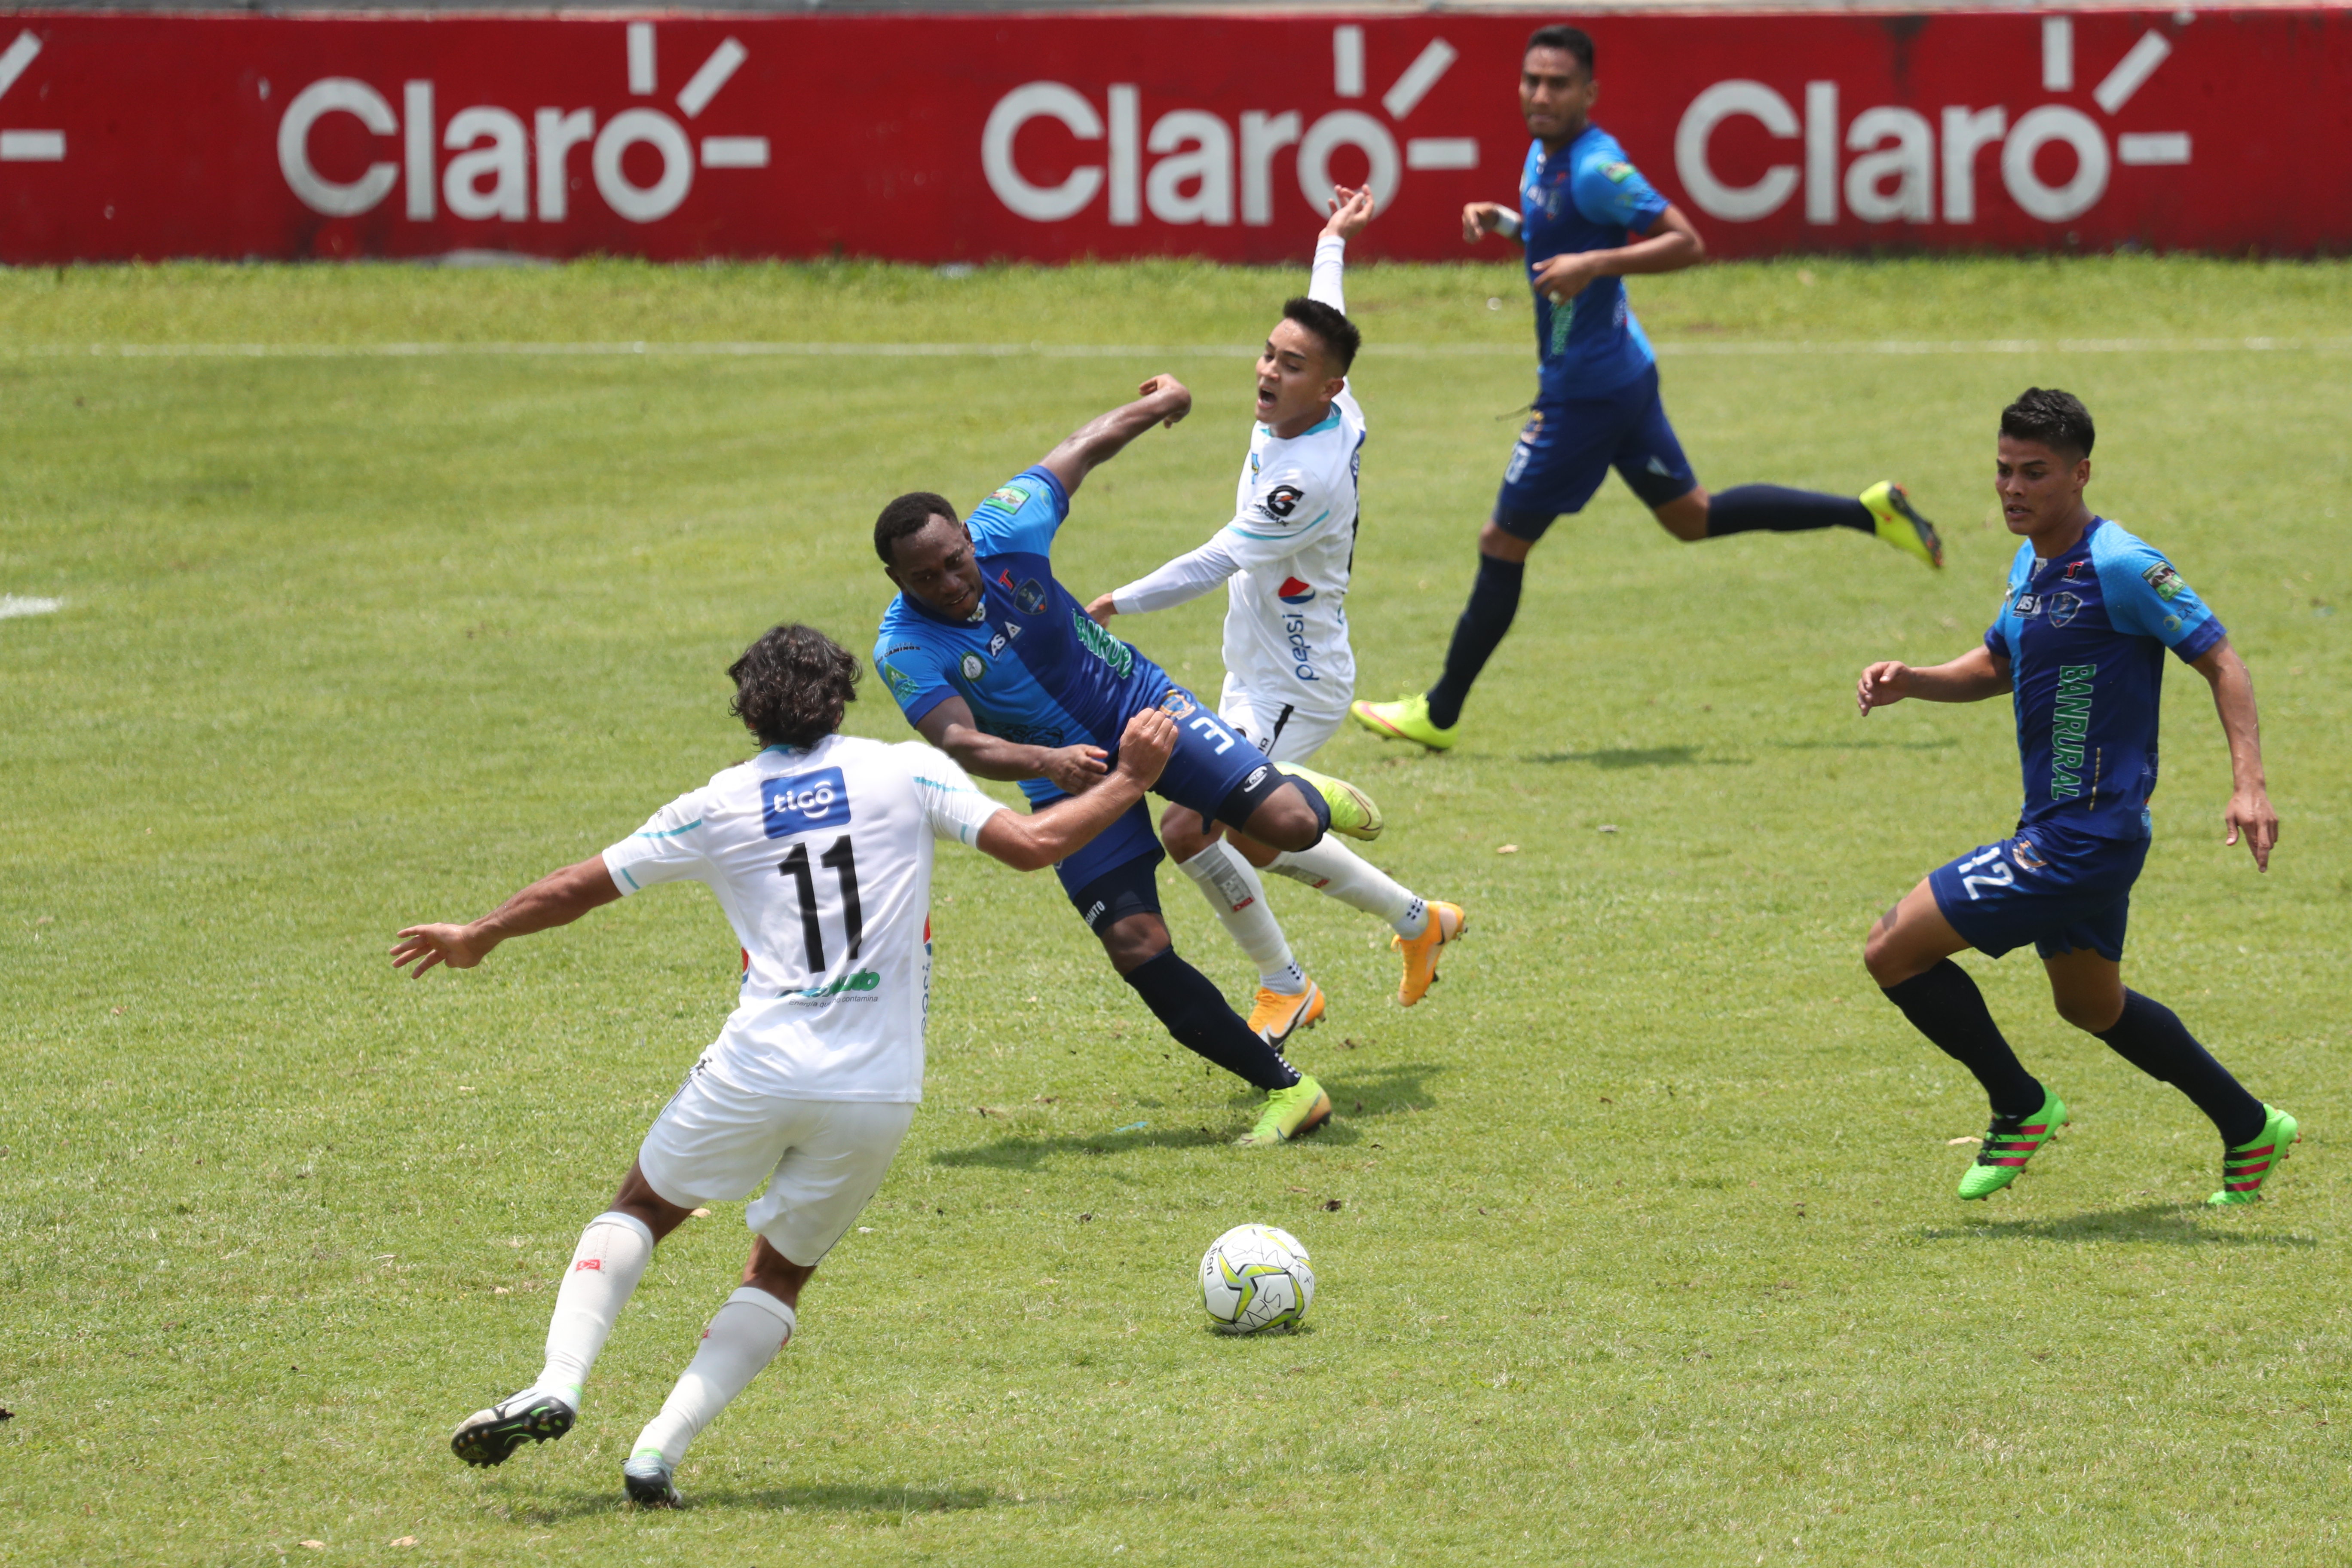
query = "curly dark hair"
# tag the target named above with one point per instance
(793, 686)
(2056, 419)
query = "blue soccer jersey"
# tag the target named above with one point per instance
(2085, 636)
(1035, 668)
(1586, 196)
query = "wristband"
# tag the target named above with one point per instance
(1507, 225)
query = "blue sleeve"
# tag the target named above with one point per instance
(2148, 597)
(2020, 569)
(912, 671)
(1607, 189)
(1022, 515)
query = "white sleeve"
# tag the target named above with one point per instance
(951, 803)
(667, 849)
(1186, 578)
(1323, 282)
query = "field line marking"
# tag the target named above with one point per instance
(1762, 349)
(15, 604)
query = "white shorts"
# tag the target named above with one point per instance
(1276, 728)
(824, 1159)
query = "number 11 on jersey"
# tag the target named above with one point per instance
(841, 860)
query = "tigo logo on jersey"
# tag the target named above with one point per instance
(1294, 591)
(801, 803)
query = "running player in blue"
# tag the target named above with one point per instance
(998, 666)
(2080, 643)
(1588, 220)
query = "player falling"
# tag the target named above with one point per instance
(993, 661)
(2079, 640)
(1284, 561)
(1588, 220)
(819, 850)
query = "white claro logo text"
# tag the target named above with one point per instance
(504, 171)
(1209, 170)
(1896, 176)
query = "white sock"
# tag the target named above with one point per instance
(744, 1337)
(1332, 868)
(605, 1267)
(1232, 886)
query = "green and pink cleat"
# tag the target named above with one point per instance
(2009, 1144)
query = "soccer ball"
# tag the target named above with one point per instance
(1256, 1277)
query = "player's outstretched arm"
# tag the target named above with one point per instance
(1480, 219)
(1162, 400)
(1062, 829)
(1972, 678)
(2248, 812)
(555, 900)
(952, 728)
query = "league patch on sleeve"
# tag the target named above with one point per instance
(1009, 499)
(1279, 503)
(1618, 172)
(902, 685)
(2164, 581)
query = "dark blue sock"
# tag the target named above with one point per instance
(1194, 1011)
(2152, 1037)
(1494, 601)
(1944, 1005)
(1784, 510)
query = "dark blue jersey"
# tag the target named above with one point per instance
(2084, 636)
(1035, 668)
(1586, 196)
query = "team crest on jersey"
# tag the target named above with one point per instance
(1009, 499)
(1176, 705)
(801, 803)
(2165, 581)
(1282, 500)
(2027, 857)
(1294, 591)
(2062, 607)
(1029, 596)
(973, 667)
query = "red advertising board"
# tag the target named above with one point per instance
(1046, 137)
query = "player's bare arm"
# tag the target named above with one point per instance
(954, 728)
(2248, 812)
(1162, 400)
(1972, 678)
(555, 900)
(1671, 245)
(1044, 837)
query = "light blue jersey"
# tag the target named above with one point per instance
(1586, 196)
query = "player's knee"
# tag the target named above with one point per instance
(2093, 1012)
(770, 1271)
(1135, 941)
(1184, 832)
(1499, 541)
(1886, 964)
(1284, 821)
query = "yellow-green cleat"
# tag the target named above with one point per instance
(1406, 718)
(1900, 525)
(1354, 814)
(2009, 1144)
(1289, 1114)
(2246, 1167)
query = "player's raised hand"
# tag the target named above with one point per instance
(424, 946)
(1074, 770)
(1889, 680)
(1480, 219)
(1102, 610)
(1174, 393)
(1350, 211)
(1145, 748)
(2250, 813)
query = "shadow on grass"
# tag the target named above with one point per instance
(1945, 744)
(1399, 1091)
(1642, 757)
(895, 1502)
(2177, 1225)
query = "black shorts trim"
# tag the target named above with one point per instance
(1129, 888)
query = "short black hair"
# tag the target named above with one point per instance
(905, 516)
(793, 686)
(1559, 36)
(2056, 419)
(1331, 329)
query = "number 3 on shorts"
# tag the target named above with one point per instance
(1204, 725)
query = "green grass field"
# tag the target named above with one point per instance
(1637, 1242)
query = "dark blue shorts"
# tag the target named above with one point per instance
(2063, 891)
(1210, 765)
(1115, 876)
(1569, 445)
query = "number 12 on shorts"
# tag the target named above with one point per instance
(1998, 875)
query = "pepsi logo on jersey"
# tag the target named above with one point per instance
(1294, 591)
(799, 803)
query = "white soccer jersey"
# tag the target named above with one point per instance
(1285, 557)
(821, 860)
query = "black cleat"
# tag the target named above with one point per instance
(646, 1477)
(488, 1437)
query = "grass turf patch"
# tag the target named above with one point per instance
(1644, 1246)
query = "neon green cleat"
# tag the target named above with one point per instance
(1406, 718)
(1900, 525)
(1353, 813)
(1289, 1114)
(2247, 1166)
(2009, 1144)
